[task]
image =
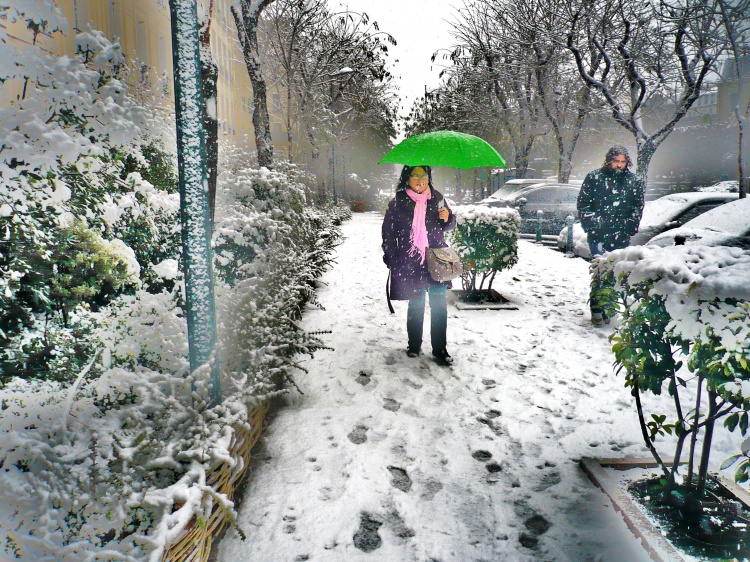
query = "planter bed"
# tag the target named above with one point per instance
(480, 299)
(613, 476)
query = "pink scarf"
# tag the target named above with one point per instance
(419, 241)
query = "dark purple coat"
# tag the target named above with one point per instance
(409, 278)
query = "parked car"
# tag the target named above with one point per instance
(726, 225)
(557, 200)
(512, 186)
(659, 215)
(731, 186)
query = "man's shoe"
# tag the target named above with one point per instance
(597, 318)
(443, 358)
(412, 352)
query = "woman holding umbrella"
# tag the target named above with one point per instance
(416, 219)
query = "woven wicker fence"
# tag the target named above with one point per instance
(195, 543)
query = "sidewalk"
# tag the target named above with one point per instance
(387, 458)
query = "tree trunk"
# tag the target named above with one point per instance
(643, 161)
(194, 203)
(210, 76)
(247, 32)
(289, 132)
(740, 172)
(694, 436)
(521, 159)
(708, 434)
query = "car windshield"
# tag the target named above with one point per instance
(731, 218)
(667, 208)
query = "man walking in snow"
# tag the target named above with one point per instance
(610, 205)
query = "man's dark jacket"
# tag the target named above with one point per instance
(409, 277)
(610, 205)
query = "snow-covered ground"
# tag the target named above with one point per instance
(390, 458)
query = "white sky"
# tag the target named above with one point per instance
(420, 28)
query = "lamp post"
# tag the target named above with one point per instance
(346, 71)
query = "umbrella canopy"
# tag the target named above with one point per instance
(444, 148)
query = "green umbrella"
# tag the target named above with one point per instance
(444, 148)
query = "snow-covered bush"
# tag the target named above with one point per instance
(692, 300)
(486, 238)
(115, 465)
(270, 247)
(69, 165)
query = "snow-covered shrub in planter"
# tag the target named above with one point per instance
(486, 238)
(694, 301)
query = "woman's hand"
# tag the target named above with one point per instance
(444, 214)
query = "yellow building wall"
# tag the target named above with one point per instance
(144, 31)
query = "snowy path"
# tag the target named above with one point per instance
(473, 462)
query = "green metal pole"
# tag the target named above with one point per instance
(194, 201)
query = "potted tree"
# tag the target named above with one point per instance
(685, 306)
(486, 238)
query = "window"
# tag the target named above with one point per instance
(697, 210)
(277, 102)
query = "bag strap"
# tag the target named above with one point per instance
(388, 292)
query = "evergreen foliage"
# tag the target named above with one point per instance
(486, 238)
(664, 327)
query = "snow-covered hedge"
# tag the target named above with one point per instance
(114, 466)
(695, 300)
(486, 238)
(108, 439)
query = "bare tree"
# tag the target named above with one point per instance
(634, 55)
(289, 28)
(566, 103)
(490, 42)
(310, 45)
(246, 17)
(735, 17)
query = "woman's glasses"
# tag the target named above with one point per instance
(418, 177)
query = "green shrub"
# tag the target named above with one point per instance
(486, 238)
(682, 301)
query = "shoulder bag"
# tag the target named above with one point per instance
(444, 264)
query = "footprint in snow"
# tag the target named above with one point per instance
(481, 456)
(398, 526)
(391, 405)
(364, 378)
(358, 435)
(536, 525)
(399, 478)
(289, 526)
(367, 538)
(431, 488)
(548, 480)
